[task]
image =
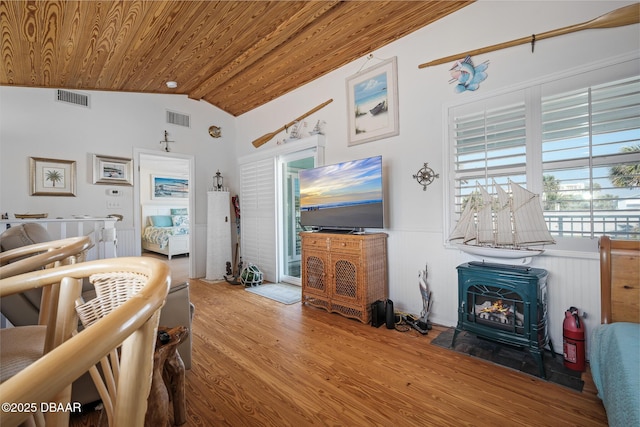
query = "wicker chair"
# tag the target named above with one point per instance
(134, 289)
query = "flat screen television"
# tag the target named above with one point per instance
(343, 196)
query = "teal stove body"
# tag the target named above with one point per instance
(505, 303)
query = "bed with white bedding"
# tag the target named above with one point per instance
(166, 230)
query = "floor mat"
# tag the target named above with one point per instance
(281, 292)
(511, 357)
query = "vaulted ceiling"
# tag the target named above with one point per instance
(236, 55)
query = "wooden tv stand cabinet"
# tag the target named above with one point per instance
(344, 273)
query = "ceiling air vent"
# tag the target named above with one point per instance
(178, 119)
(72, 98)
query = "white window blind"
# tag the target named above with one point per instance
(591, 160)
(258, 216)
(489, 144)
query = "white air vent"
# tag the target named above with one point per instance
(72, 98)
(178, 119)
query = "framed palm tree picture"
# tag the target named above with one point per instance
(52, 177)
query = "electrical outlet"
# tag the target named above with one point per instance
(113, 204)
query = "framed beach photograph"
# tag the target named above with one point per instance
(372, 103)
(165, 187)
(112, 170)
(52, 177)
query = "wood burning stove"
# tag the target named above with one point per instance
(505, 303)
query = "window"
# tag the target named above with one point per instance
(578, 148)
(490, 146)
(591, 160)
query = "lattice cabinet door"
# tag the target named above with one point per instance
(314, 278)
(345, 273)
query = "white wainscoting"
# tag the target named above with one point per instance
(127, 242)
(572, 282)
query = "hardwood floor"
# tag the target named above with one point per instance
(261, 363)
(257, 362)
(179, 265)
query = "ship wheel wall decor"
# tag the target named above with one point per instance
(425, 176)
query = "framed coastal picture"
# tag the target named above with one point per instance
(166, 187)
(52, 177)
(372, 103)
(112, 170)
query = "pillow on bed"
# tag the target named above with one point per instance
(180, 220)
(161, 220)
(179, 211)
(178, 231)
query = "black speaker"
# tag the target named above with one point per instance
(390, 315)
(378, 314)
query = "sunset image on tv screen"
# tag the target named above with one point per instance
(345, 194)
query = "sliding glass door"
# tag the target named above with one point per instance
(290, 253)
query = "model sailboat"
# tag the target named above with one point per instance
(502, 226)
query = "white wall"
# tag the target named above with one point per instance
(416, 224)
(33, 124)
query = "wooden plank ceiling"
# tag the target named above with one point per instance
(236, 55)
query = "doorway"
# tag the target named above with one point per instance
(291, 251)
(164, 164)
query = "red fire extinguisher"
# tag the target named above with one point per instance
(573, 342)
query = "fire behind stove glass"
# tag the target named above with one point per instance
(496, 307)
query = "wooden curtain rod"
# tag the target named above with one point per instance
(617, 18)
